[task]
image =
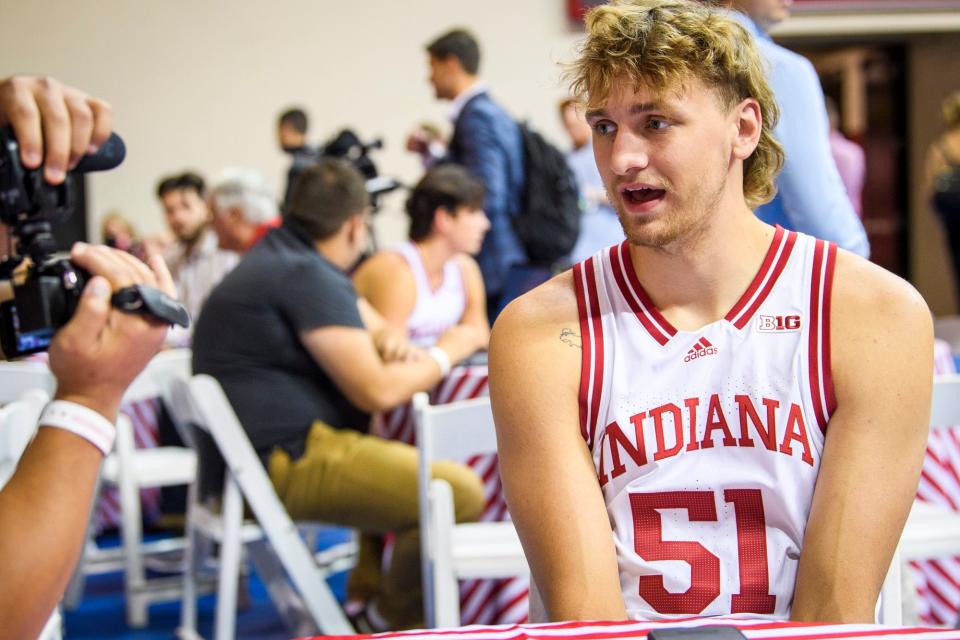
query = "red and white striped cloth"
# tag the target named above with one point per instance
(481, 601)
(753, 629)
(938, 581)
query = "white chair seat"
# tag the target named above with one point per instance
(158, 467)
(485, 548)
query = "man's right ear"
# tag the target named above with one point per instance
(441, 218)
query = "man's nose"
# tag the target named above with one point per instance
(628, 153)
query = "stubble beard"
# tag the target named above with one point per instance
(682, 225)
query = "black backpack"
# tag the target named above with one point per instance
(946, 188)
(549, 221)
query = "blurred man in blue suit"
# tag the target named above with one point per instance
(486, 140)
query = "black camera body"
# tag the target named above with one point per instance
(46, 285)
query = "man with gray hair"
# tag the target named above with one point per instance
(243, 208)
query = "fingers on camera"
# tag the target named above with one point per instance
(119, 268)
(53, 124)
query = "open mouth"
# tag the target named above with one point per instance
(642, 195)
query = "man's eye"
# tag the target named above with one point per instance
(603, 128)
(656, 124)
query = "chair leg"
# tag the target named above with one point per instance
(230, 550)
(191, 568)
(445, 587)
(131, 530)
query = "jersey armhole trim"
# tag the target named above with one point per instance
(591, 340)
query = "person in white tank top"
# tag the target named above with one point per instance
(715, 417)
(431, 284)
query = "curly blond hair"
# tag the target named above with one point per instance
(662, 43)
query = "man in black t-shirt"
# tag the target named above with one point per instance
(284, 335)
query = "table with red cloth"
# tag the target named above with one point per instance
(481, 601)
(753, 629)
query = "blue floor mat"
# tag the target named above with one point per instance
(101, 614)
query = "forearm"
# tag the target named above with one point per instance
(43, 517)
(397, 382)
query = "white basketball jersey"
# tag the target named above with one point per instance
(436, 310)
(707, 443)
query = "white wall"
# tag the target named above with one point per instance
(199, 84)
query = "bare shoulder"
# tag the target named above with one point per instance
(536, 341)
(867, 295)
(382, 266)
(468, 266)
(881, 328)
(540, 311)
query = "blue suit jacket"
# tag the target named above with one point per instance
(486, 140)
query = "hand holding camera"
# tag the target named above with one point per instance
(47, 286)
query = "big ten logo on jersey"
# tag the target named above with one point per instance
(770, 324)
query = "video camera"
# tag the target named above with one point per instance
(348, 146)
(46, 285)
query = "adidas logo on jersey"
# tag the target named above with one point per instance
(701, 349)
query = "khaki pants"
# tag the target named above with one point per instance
(368, 483)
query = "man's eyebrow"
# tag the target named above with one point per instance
(640, 107)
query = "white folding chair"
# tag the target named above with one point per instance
(932, 530)
(131, 469)
(451, 551)
(18, 424)
(202, 403)
(21, 376)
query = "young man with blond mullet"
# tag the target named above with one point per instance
(716, 417)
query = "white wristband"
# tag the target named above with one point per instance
(80, 420)
(441, 358)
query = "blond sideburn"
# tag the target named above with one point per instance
(662, 43)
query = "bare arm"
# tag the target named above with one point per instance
(350, 357)
(475, 313)
(386, 282)
(548, 475)
(45, 507)
(882, 354)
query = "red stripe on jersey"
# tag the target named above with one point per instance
(596, 323)
(784, 256)
(826, 370)
(706, 343)
(636, 297)
(761, 274)
(814, 348)
(586, 353)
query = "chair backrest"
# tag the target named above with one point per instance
(454, 431)
(18, 377)
(202, 402)
(18, 424)
(945, 409)
(156, 377)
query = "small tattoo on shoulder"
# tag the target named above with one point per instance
(570, 337)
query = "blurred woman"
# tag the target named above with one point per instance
(943, 178)
(431, 284)
(118, 233)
